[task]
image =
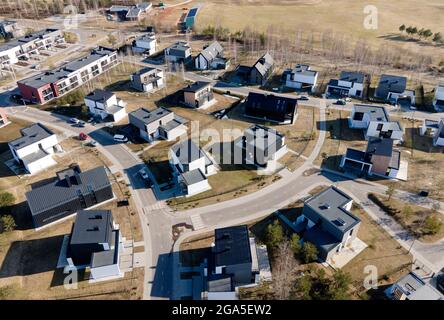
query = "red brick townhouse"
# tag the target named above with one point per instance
(49, 85)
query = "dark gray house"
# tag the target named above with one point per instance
(262, 70)
(72, 191)
(269, 107)
(326, 222)
(392, 88)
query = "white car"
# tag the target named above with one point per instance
(144, 174)
(120, 138)
(74, 120)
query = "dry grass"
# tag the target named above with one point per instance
(386, 254)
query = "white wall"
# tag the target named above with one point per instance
(40, 164)
(47, 145)
(201, 62)
(198, 187)
(105, 271)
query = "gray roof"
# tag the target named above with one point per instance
(352, 76)
(117, 8)
(171, 125)
(416, 289)
(187, 151)
(144, 71)
(30, 158)
(304, 69)
(134, 12)
(212, 51)
(146, 116)
(219, 283)
(9, 45)
(180, 46)
(37, 35)
(263, 138)
(232, 246)
(193, 176)
(196, 86)
(322, 239)
(38, 200)
(30, 135)
(389, 83)
(264, 63)
(92, 226)
(103, 258)
(99, 95)
(329, 206)
(376, 113)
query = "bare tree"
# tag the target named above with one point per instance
(283, 271)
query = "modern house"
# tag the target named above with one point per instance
(130, 13)
(49, 85)
(3, 118)
(190, 18)
(34, 149)
(272, 108)
(148, 79)
(349, 84)
(234, 263)
(211, 57)
(375, 120)
(94, 242)
(146, 44)
(27, 46)
(262, 70)
(157, 124)
(393, 88)
(380, 159)
(302, 78)
(433, 129)
(260, 146)
(198, 95)
(72, 191)
(9, 29)
(326, 222)
(438, 100)
(191, 166)
(105, 105)
(412, 287)
(180, 52)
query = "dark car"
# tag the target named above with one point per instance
(17, 98)
(423, 193)
(341, 102)
(440, 283)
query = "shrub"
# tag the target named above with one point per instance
(7, 223)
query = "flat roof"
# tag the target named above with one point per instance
(352, 76)
(61, 192)
(196, 86)
(147, 116)
(30, 135)
(187, 151)
(329, 204)
(380, 146)
(92, 226)
(232, 246)
(304, 69)
(99, 95)
(376, 113)
(193, 176)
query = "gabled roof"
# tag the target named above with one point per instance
(275, 108)
(212, 51)
(264, 63)
(30, 135)
(232, 246)
(99, 95)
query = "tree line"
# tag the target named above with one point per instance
(422, 34)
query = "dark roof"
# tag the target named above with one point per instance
(389, 83)
(147, 116)
(380, 147)
(329, 206)
(37, 35)
(99, 95)
(232, 246)
(145, 70)
(30, 135)
(193, 12)
(304, 69)
(187, 151)
(357, 155)
(65, 190)
(376, 113)
(275, 108)
(92, 227)
(196, 86)
(351, 76)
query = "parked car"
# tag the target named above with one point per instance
(423, 193)
(83, 136)
(120, 138)
(73, 120)
(304, 98)
(92, 143)
(80, 124)
(440, 283)
(341, 102)
(17, 98)
(144, 174)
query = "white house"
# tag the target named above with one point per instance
(145, 44)
(302, 77)
(361, 115)
(211, 57)
(438, 135)
(438, 101)
(148, 79)
(381, 129)
(191, 166)
(157, 124)
(105, 104)
(349, 84)
(35, 148)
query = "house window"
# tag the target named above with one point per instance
(379, 128)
